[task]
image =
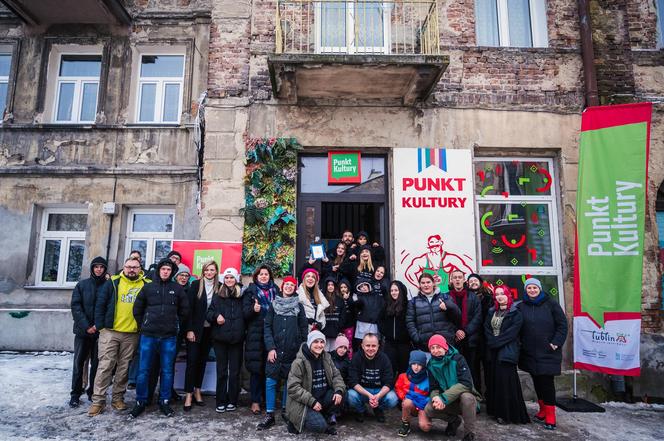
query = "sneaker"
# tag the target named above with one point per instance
(231, 408)
(380, 415)
(96, 409)
(267, 422)
(470, 436)
(452, 427)
(404, 430)
(166, 409)
(74, 402)
(138, 409)
(220, 409)
(119, 405)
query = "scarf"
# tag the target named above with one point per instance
(537, 300)
(416, 378)
(266, 293)
(286, 306)
(463, 296)
(444, 369)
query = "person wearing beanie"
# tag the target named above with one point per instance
(312, 299)
(174, 257)
(285, 331)
(83, 299)
(341, 356)
(412, 388)
(504, 398)
(482, 290)
(182, 276)
(258, 298)
(451, 391)
(392, 326)
(543, 333)
(159, 309)
(335, 313)
(315, 389)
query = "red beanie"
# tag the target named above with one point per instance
(310, 270)
(439, 340)
(290, 279)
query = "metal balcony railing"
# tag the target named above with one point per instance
(397, 27)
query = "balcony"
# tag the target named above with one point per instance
(367, 52)
(49, 12)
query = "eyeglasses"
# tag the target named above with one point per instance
(132, 267)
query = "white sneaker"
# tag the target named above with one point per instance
(220, 409)
(230, 408)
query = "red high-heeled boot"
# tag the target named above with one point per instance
(539, 416)
(550, 417)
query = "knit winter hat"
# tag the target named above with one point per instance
(290, 279)
(341, 341)
(477, 276)
(533, 281)
(313, 336)
(311, 270)
(418, 357)
(230, 271)
(362, 234)
(439, 340)
(183, 269)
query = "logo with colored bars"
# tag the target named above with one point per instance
(431, 158)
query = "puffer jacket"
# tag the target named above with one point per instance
(368, 306)
(506, 344)
(284, 333)
(424, 319)
(233, 330)
(83, 299)
(254, 348)
(161, 309)
(300, 400)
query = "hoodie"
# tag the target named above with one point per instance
(84, 297)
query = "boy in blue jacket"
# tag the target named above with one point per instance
(412, 388)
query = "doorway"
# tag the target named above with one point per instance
(324, 211)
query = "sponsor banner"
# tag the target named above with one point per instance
(344, 167)
(433, 214)
(196, 252)
(608, 262)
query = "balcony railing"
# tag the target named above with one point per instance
(407, 27)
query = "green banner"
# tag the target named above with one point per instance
(611, 219)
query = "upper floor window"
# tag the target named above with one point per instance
(77, 88)
(160, 88)
(61, 247)
(516, 23)
(5, 66)
(352, 27)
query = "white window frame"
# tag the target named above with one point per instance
(160, 83)
(65, 238)
(77, 99)
(150, 237)
(538, 25)
(554, 225)
(351, 47)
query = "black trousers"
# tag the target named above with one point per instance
(229, 361)
(197, 355)
(545, 388)
(84, 347)
(471, 355)
(398, 353)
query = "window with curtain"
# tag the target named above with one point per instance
(515, 23)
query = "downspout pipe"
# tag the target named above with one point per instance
(588, 55)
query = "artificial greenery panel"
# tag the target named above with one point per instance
(269, 213)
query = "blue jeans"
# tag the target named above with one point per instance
(358, 402)
(149, 347)
(271, 394)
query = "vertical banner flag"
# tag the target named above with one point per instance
(196, 252)
(610, 220)
(434, 226)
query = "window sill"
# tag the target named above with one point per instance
(42, 288)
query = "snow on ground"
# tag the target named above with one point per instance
(35, 391)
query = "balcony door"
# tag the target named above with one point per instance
(352, 27)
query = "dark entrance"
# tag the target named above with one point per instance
(325, 211)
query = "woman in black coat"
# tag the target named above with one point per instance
(543, 333)
(285, 331)
(198, 337)
(392, 326)
(258, 298)
(227, 318)
(504, 397)
(335, 313)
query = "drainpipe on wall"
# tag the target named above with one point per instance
(588, 55)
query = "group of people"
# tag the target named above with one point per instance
(339, 339)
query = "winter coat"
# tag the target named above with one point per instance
(328, 273)
(254, 348)
(108, 298)
(83, 300)
(374, 373)
(418, 393)
(285, 334)
(198, 307)
(160, 308)
(368, 306)
(474, 327)
(506, 344)
(393, 328)
(300, 400)
(315, 313)
(463, 381)
(424, 319)
(335, 320)
(486, 302)
(342, 364)
(543, 324)
(231, 308)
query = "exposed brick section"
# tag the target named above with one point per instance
(229, 57)
(457, 22)
(642, 23)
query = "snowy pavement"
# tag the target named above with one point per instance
(35, 391)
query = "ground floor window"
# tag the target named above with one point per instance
(150, 231)
(61, 247)
(517, 222)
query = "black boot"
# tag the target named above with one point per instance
(74, 402)
(267, 422)
(138, 409)
(452, 427)
(166, 409)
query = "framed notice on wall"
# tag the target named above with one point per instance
(344, 167)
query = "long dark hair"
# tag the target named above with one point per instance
(396, 307)
(331, 297)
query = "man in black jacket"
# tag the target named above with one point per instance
(83, 300)
(160, 309)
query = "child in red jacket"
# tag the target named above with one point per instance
(412, 388)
